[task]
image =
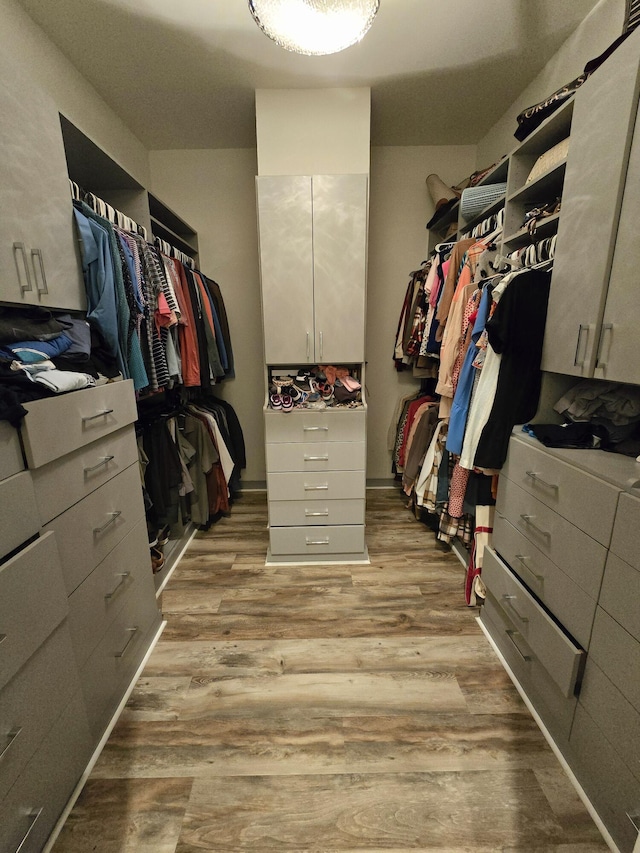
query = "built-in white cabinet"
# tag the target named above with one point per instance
(313, 243)
(39, 261)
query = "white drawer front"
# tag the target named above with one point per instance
(564, 598)
(10, 451)
(578, 555)
(301, 513)
(617, 653)
(19, 518)
(317, 540)
(314, 486)
(317, 456)
(307, 425)
(624, 542)
(62, 483)
(90, 529)
(581, 498)
(58, 425)
(560, 657)
(32, 603)
(620, 594)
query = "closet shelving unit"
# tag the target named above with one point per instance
(170, 227)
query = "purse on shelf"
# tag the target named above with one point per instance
(548, 160)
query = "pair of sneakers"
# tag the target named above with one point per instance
(281, 402)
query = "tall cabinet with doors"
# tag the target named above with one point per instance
(313, 242)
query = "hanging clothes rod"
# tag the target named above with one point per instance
(173, 252)
(115, 217)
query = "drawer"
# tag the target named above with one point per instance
(555, 709)
(58, 425)
(19, 518)
(64, 482)
(309, 426)
(347, 539)
(32, 603)
(624, 541)
(614, 715)
(607, 781)
(108, 671)
(581, 498)
(301, 513)
(297, 486)
(550, 645)
(36, 801)
(123, 575)
(558, 592)
(90, 529)
(578, 555)
(317, 456)
(32, 700)
(617, 654)
(620, 594)
(10, 451)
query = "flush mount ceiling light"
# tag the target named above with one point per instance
(314, 27)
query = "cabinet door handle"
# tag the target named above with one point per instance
(11, 737)
(37, 253)
(3, 637)
(123, 576)
(577, 363)
(34, 815)
(101, 414)
(511, 634)
(309, 514)
(538, 479)
(528, 519)
(321, 347)
(132, 632)
(316, 541)
(522, 560)
(635, 820)
(315, 429)
(104, 461)
(308, 346)
(606, 327)
(322, 488)
(19, 249)
(316, 458)
(511, 598)
(111, 521)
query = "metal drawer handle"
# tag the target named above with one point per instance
(34, 815)
(606, 327)
(635, 820)
(309, 514)
(113, 515)
(101, 414)
(523, 559)
(317, 541)
(317, 458)
(323, 488)
(132, 632)
(538, 479)
(37, 253)
(308, 347)
(511, 598)
(123, 576)
(19, 249)
(528, 519)
(511, 634)
(104, 461)
(11, 737)
(577, 363)
(315, 429)
(321, 347)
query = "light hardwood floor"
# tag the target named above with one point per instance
(331, 709)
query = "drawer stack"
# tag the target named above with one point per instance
(316, 484)
(86, 475)
(44, 733)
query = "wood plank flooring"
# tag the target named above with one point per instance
(334, 709)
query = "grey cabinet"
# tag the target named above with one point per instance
(313, 242)
(39, 261)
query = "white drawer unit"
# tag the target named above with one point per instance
(316, 512)
(19, 519)
(318, 541)
(307, 425)
(315, 486)
(316, 456)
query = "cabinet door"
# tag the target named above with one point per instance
(601, 130)
(339, 255)
(39, 261)
(286, 267)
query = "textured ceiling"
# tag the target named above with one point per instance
(182, 73)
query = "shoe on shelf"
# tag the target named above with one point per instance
(287, 403)
(275, 401)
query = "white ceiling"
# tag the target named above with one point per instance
(182, 73)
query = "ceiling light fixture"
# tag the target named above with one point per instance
(314, 27)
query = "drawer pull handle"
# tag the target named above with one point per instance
(34, 817)
(511, 598)
(315, 429)
(317, 541)
(104, 461)
(11, 737)
(309, 514)
(511, 634)
(317, 458)
(132, 632)
(102, 414)
(111, 521)
(323, 488)
(123, 576)
(37, 253)
(523, 559)
(321, 347)
(635, 820)
(528, 519)
(577, 363)
(308, 347)
(606, 327)
(538, 479)
(18, 248)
